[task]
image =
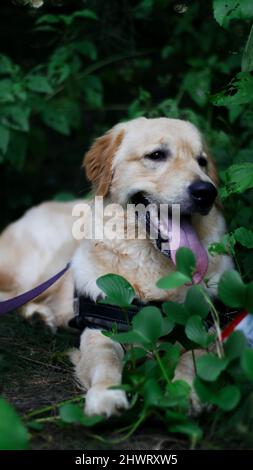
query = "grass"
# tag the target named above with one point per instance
(35, 373)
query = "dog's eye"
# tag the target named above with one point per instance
(158, 155)
(202, 161)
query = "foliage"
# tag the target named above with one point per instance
(13, 434)
(224, 372)
(78, 69)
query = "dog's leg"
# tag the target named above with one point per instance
(99, 366)
(185, 371)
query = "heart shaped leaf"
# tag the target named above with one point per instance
(231, 289)
(209, 367)
(196, 331)
(117, 289)
(173, 281)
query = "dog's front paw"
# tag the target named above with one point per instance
(103, 401)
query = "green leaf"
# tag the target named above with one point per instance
(6, 65)
(204, 390)
(179, 391)
(147, 328)
(246, 9)
(58, 70)
(17, 117)
(117, 289)
(87, 48)
(167, 326)
(13, 434)
(71, 413)
(152, 393)
(236, 93)
(231, 289)
(67, 20)
(171, 357)
(176, 312)
(224, 246)
(136, 353)
(86, 13)
(247, 363)
(4, 139)
(209, 367)
(19, 92)
(148, 323)
(6, 91)
(235, 345)
(196, 331)
(175, 417)
(244, 237)
(46, 28)
(172, 281)
(247, 57)
(50, 19)
(239, 178)
(185, 261)
(196, 303)
(226, 398)
(38, 83)
(188, 428)
(62, 63)
(225, 11)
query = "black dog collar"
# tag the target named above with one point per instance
(110, 317)
(104, 316)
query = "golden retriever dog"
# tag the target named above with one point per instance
(156, 161)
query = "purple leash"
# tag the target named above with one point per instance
(12, 304)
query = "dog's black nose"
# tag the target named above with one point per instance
(203, 195)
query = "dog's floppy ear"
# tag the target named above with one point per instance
(213, 173)
(98, 160)
(212, 168)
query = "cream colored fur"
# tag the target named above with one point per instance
(40, 243)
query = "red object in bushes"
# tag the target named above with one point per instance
(243, 322)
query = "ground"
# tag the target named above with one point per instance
(35, 372)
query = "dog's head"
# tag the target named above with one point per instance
(161, 161)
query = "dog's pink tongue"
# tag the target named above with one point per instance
(185, 235)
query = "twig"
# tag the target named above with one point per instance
(51, 407)
(42, 363)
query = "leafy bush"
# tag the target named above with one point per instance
(224, 371)
(76, 70)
